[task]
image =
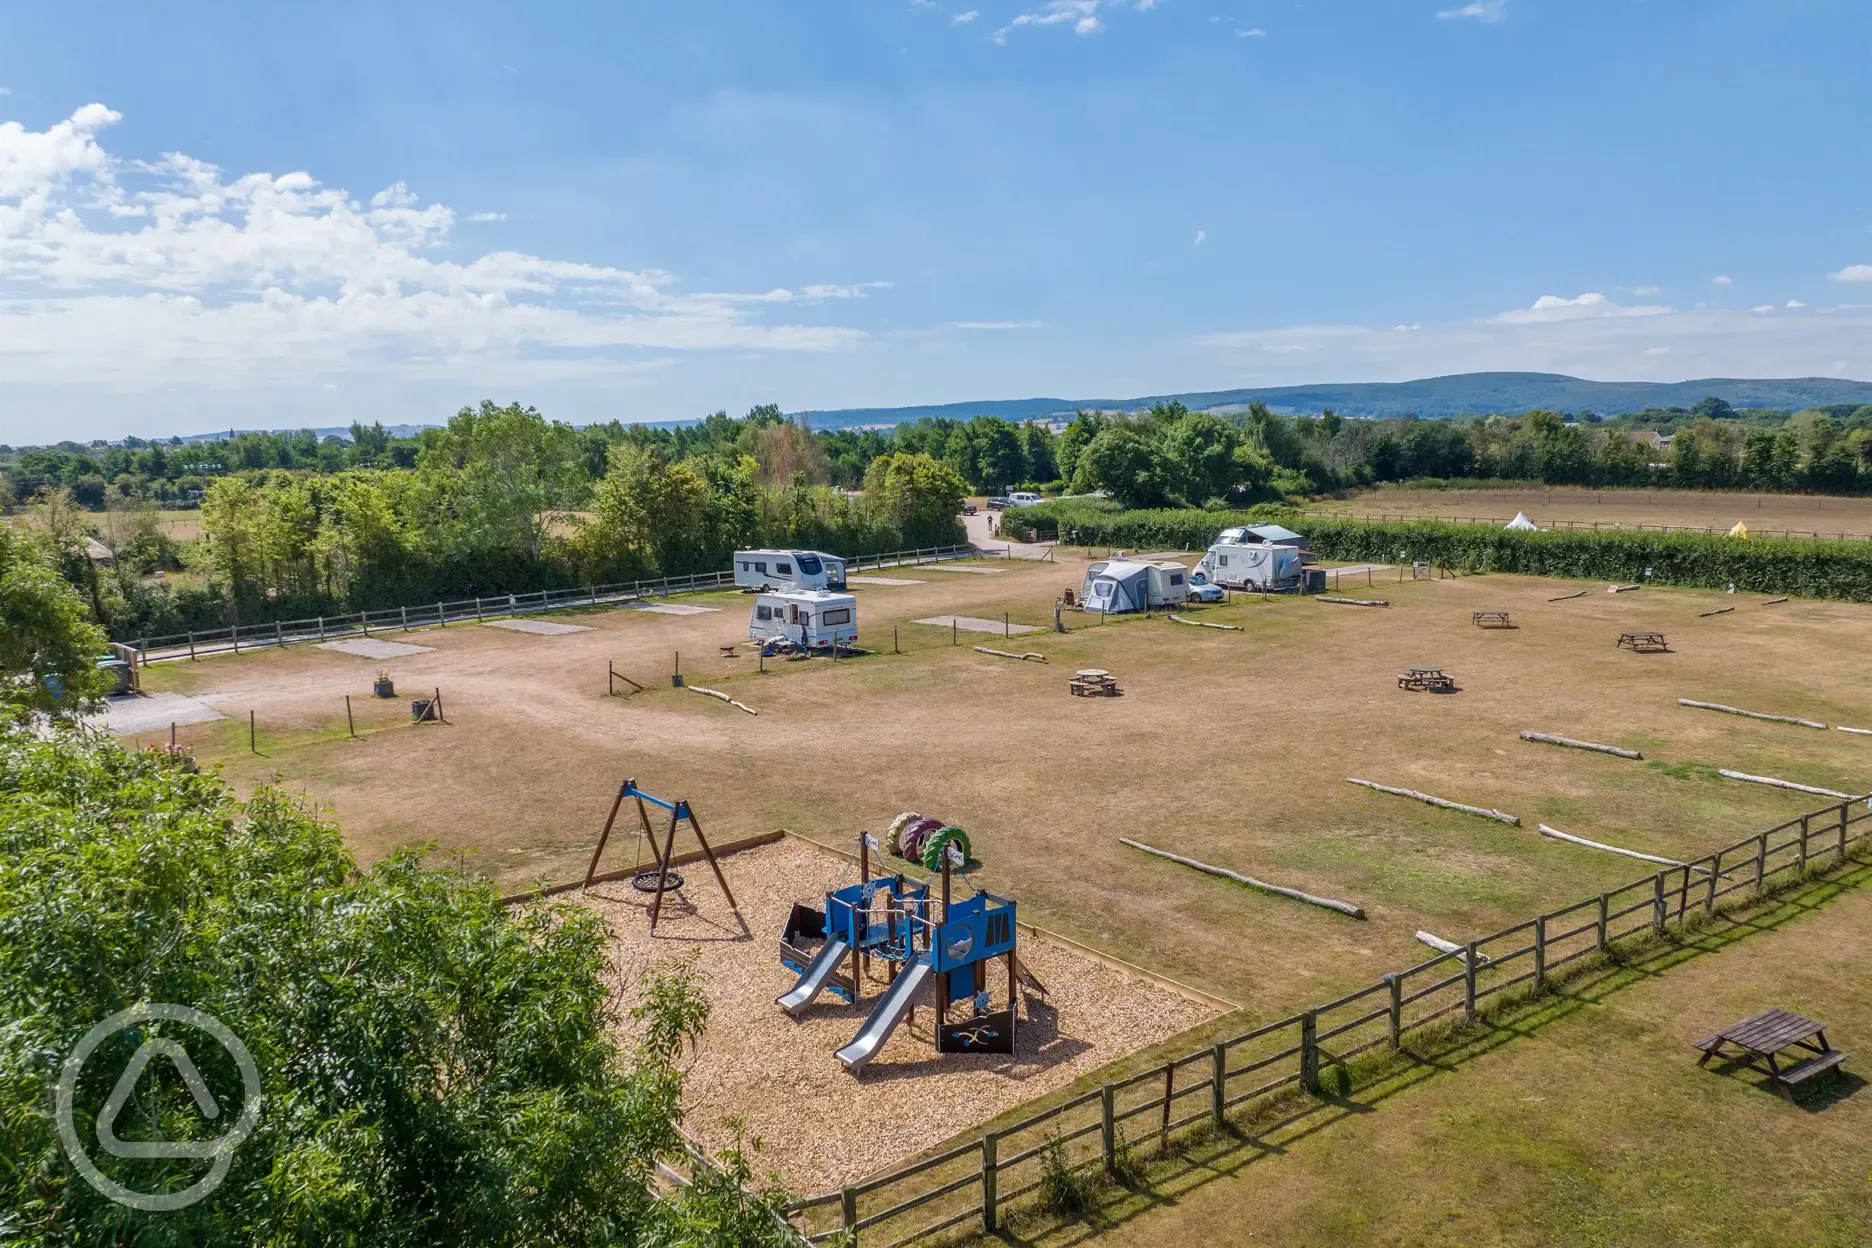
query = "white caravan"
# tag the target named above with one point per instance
(1263, 566)
(815, 619)
(775, 569)
(1114, 586)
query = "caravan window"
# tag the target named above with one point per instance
(744, 566)
(840, 616)
(1176, 578)
(809, 566)
(783, 569)
(760, 566)
(763, 613)
(1223, 560)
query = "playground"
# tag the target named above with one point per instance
(818, 1124)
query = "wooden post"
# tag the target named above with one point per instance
(235, 630)
(1802, 869)
(350, 724)
(1108, 1128)
(1660, 908)
(1842, 830)
(1761, 859)
(1396, 983)
(1007, 625)
(1540, 952)
(1709, 897)
(848, 1213)
(279, 634)
(1163, 1128)
(191, 647)
(954, 640)
(606, 834)
(1218, 1082)
(405, 611)
(252, 742)
(440, 717)
(988, 1182)
(477, 608)
(441, 616)
(1309, 1052)
(172, 736)
(321, 628)
(864, 874)
(1468, 982)
(894, 649)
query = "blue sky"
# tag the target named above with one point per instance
(263, 215)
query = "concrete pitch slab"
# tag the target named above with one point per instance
(672, 608)
(543, 628)
(152, 713)
(880, 580)
(952, 567)
(372, 648)
(972, 624)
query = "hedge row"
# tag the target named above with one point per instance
(1812, 569)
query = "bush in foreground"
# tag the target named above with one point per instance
(435, 1068)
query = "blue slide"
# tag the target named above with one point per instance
(885, 1015)
(813, 982)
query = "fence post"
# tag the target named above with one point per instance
(235, 630)
(441, 617)
(988, 1182)
(405, 611)
(279, 634)
(477, 608)
(1108, 1128)
(1842, 830)
(1761, 860)
(191, 647)
(1802, 870)
(1309, 1052)
(1468, 981)
(848, 1212)
(1660, 908)
(1709, 898)
(1218, 1077)
(1540, 952)
(1395, 982)
(321, 628)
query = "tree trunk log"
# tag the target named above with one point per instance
(1343, 907)
(1570, 743)
(1484, 811)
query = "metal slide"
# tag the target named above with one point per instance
(885, 1015)
(813, 981)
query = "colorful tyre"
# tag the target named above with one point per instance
(938, 842)
(893, 839)
(915, 834)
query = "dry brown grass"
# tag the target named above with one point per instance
(1229, 747)
(1686, 508)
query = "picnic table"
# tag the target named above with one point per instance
(1760, 1038)
(1421, 677)
(1093, 682)
(1490, 619)
(1644, 643)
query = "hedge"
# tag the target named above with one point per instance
(1807, 568)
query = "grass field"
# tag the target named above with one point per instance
(1684, 508)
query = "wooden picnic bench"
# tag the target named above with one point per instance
(1758, 1040)
(1431, 678)
(1490, 619)
(1644, 643)
(1093, 682)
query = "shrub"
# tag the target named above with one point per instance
(1065, 1191)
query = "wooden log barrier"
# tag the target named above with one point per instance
(1620, 589)
(1568, 597)
(1353, 602)
(1228, 628)
(1726, 774)
(1736, 710)
(1031, 656)
(1343, 907)
(1558, 835)
(1704, 615)
(1484, 811)
(1449, 946)
(1546, 738)
(716, 693)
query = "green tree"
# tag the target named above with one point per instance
(1201, 448)
(920, 496)
(508, 473)
(1128, 466)
(1084, 427)
(435, 1067)
(49, 648)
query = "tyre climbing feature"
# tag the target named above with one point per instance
(936, 843)
(915, 836)
(893, 838)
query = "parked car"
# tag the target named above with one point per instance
(968, 509)
(1023, 498)
(1200, 590)
(997, 504)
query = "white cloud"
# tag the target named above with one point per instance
(998, 324)
(129, 274)
(1795, 303)
(482, 218)
(1477, 11)
(1592, 304)
(1851, 273)
(1645, 290)
(1255, 33)
(1202, 236)
(1657, 350)
(964, 18)
(1081, 14)
(1722, 280)
(1763, 307)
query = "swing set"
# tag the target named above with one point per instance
(659, 879)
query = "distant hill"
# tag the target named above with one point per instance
(341, 431)
(1458, 395)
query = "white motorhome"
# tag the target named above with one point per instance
(1259, 566)
(1114, 586)
(815, 619)
(776, 569)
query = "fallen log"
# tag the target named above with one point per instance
(1861, 732)
(1485, 812)
(1566, 597)
(1009, 654)
(1450, 946)
(1619, 589)
(1549, 739)
(1343, 907)
(1735, 710)
(1785, 784)
(1230, 628)
(1610, 849)
(1703, 615)
(716, 693)
(1773, 602)
(1353, 602)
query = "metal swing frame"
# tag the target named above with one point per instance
(679, 810)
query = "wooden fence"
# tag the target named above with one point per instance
(1594, 525)
(976, 1180)
(236, 637)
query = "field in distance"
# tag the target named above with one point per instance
(1766, 513)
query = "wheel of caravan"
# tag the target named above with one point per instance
(915, 834)
(937, 842)
(893, 839)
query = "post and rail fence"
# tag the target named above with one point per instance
(976, 1180)
(238, 637)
